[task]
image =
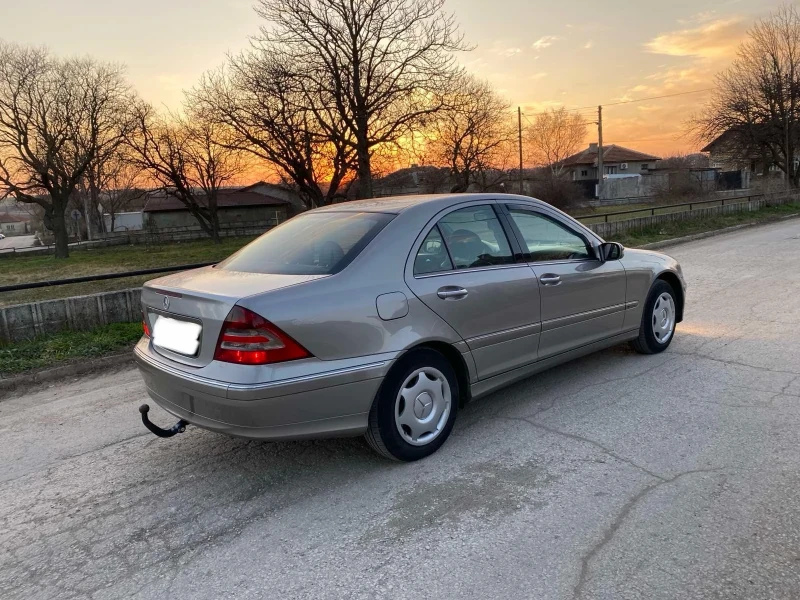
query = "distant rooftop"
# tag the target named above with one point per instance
(12, 218)
(611, 154)
(226, 198)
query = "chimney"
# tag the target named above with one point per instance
(593, 146)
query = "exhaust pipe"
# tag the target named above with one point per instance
(179, 427)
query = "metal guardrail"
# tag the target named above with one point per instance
(56, 282)
(652, 210)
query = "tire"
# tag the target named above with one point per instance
(659, 318)
(428, 380)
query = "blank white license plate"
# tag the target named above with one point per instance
(182, 337)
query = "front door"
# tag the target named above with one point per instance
(582, 297)
(464, 271)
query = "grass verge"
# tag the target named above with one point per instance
(676, 229)
(50, 350)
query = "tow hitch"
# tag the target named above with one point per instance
(179, 427)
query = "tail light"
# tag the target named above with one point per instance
(145, 325)
(249, 339)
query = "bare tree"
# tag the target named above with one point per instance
(472, 133)
(756, 103)
(267, 113)
(553, 136)
(119, 184)
(56, 118)
(383, 63)
(189, 157)
(683, 162)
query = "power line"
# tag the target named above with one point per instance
(643, 141)
(593, 107)
(650, 98)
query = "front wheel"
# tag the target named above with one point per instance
(659, 318)
(415, 408)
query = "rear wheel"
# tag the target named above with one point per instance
(659, 318)
(415, 408)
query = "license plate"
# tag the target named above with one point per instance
(182, 337)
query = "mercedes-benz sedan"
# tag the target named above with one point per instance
(383, 317)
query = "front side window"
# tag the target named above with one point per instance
(547, 239)
(475, 238)
(321, 243)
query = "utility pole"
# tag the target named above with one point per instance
(600, 152)
(519, 126)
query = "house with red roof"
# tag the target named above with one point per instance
(617, 160)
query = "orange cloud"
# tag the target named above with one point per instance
(713, 39)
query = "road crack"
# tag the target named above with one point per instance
(620, 519)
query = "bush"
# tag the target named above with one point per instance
(563, 194)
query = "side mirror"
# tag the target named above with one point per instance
(611, 251)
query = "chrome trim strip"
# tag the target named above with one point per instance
(577, 318)
(472, 270)
(225, 386)
(506, 335)
(631, 304)
(302, 378)
(212, 383)
(566, 261)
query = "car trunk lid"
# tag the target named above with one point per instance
(185, 311)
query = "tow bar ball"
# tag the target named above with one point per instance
(179, 427)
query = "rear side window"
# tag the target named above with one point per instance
(432, 256)
(312, 244)
(475, 238)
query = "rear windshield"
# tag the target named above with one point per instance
(311, 244)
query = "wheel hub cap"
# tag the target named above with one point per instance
(423, 406)
(663, 318)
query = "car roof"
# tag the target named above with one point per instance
(399, 204)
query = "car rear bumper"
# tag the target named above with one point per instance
(328, 404)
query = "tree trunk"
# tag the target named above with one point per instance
(364, 170)
(113, 218)
(215, 227)
(59, 225)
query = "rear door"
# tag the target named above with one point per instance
(463, 268)
(582, 297)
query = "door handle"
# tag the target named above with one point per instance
(452, 293)
(550, 279)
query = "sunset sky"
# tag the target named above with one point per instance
(537, 54)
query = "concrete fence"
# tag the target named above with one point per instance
(25, 321)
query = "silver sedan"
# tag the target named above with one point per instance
(384, 317)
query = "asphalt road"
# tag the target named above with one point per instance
(617, 476)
